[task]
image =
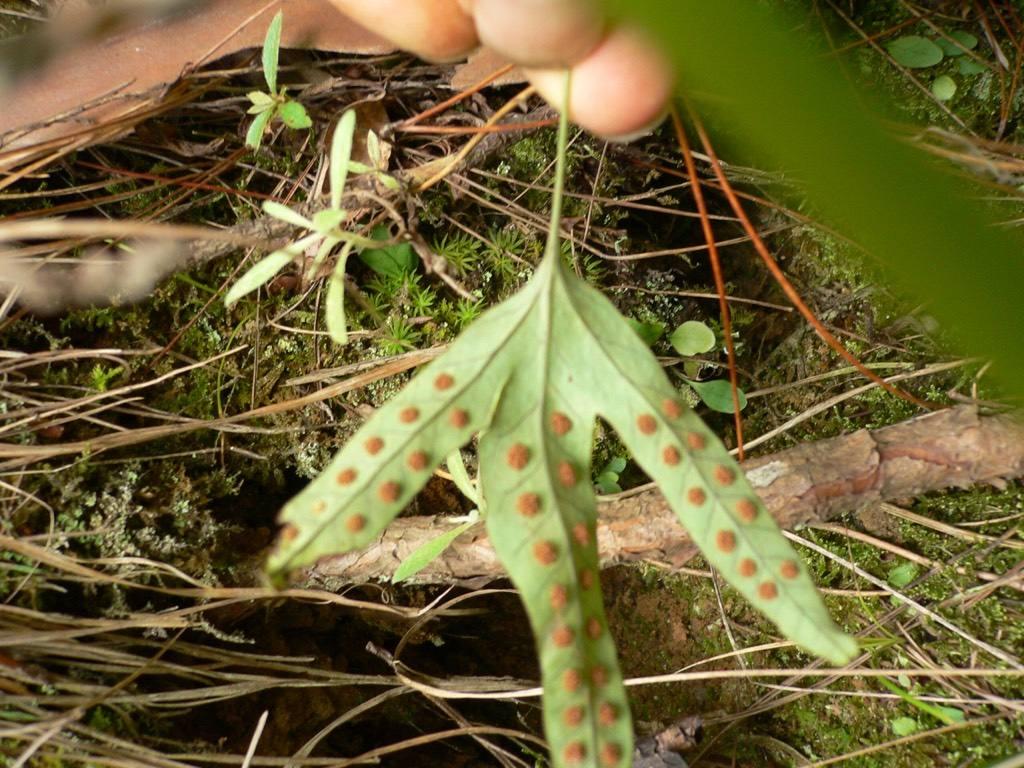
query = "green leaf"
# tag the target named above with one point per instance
(389, 260)
(341, 153)
(328, 219)
(944, 87)
(335, 310)
(254, 135)
(258, 274)
(902, 575)
(717, 395)
(271, 45)
(739, 66)
(692, 338)
(914, 51)
(355, 166)
(970, 67)
(260, 99)
(904, 726)
(966, 39)
(284, 213)
(457, 469)
(293, 114)
(428, 552)
(649, 332)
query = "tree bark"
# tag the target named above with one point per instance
(810, 483)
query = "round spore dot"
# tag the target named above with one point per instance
(611, 754)
(607, 714)
(696, 496)
(747, 510)
(670, 455)
(417, 461)
(646, 423)
(559, 597)
(571, 680)
(528, 504)
(443, 381)
(725, 475)
(563, 636)
(671, 408)
(789, 569)
(747, 568)
(581, 533)
(545, 552)
(518, 455)
(725, 541)
(355, 523)
(566, 474)
(389, 491)
(575, 753)
(560, 423)
(373, 445)
(767, 590)
(347, 476)
(573, 716)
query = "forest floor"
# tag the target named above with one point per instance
(134, 624)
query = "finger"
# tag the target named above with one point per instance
(539, 33)
(439, 30)
(620, 89)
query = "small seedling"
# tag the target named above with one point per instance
(531, 377)
(273, 103)
(325, 234)
(695, 338)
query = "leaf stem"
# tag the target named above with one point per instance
(551, 248)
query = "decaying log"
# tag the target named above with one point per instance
(814, 482)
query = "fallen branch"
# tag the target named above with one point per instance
(810, 483)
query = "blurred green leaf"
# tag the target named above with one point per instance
(341, 153)
(649, 332)
(970, 67)
(294, 115)
(902, 575)
(271, 46)
(428, 552)
(966, 40)
(775, 90)
(904, 726)
(944, 87)
(389, 260)
(717, 395)
(692, 338)
(254, 135)
(258, 274)
(914, 52)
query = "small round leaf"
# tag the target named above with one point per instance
(915, 52)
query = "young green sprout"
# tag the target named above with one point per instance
(273, 103)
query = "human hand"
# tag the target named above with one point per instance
(620, 86)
